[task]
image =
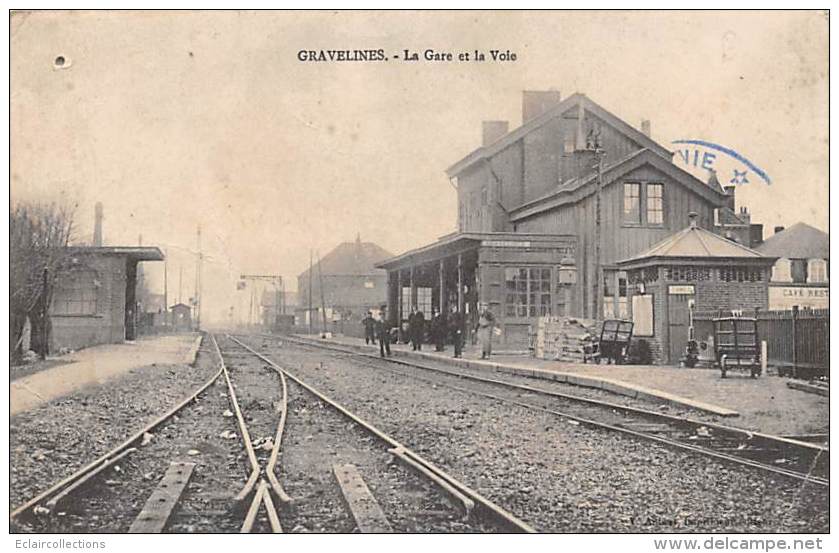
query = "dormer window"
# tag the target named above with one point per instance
(782, 271)
(816, 271)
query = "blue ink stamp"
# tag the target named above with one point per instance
(702, 154)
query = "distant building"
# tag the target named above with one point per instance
(800, 275)
(181, 317)
(94, 301)
(352, 285)
(268, 302)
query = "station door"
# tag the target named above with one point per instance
(680, 300)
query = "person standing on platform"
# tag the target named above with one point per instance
(383, 333)
(438, 331)
(485, 328)
(418, 331)
(369, 328)
(456, 330)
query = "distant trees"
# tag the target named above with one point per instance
(38, 238)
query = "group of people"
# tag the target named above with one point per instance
(441, 327)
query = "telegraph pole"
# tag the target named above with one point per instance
(309, 311)
(322, 297)
(198, 283)
(593, 146)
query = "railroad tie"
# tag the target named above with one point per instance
(368, 515)
(160, 504)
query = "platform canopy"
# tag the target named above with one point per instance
(135, 253)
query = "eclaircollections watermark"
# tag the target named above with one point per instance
(733, 167)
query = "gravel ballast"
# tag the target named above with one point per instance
(554, 474)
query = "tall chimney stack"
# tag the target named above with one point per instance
(536, 102)
(97, 227)
(729, 191)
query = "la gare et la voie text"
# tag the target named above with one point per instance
(426, 55)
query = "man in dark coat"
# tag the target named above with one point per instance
(456, 330)
(369, 328)
(383, 333)
(417, 330)
(439, 331)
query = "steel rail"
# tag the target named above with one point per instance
(815, 449)
(275, 451)
(253, 478)
(114, 452)
(256, 469)
(486, 505)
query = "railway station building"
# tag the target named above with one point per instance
(528, 242)
(94, 301)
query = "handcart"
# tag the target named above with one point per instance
(615, 336)
(736, 345)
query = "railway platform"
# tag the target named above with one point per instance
(765, 404)
(99, 364)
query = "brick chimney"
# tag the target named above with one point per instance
(97, 225)
(646, 128)
(493, 130)
(729, 191)
(536, 102)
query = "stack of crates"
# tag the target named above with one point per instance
(563, 338)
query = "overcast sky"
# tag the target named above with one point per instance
(172, 120)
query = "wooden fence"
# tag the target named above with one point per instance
(797, 340)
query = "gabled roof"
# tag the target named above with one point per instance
(800, 241)
(621, 126)
(576, 189)
(350, 259)
(696, 243)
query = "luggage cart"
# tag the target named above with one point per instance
(613, 345)
(736, 345)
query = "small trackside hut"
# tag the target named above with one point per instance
(694, 271)
(520, 277)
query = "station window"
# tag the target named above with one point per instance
(632, 203)
(528, 292)
(75, 293)
(655, 204)
(424, 300)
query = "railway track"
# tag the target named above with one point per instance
(430, 498)
(789, 458)
(47, 502)
(471, 505)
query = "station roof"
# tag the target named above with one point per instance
(695, 244)
(459, 242)
(137, 253)
(574, 100)
(800, 241)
